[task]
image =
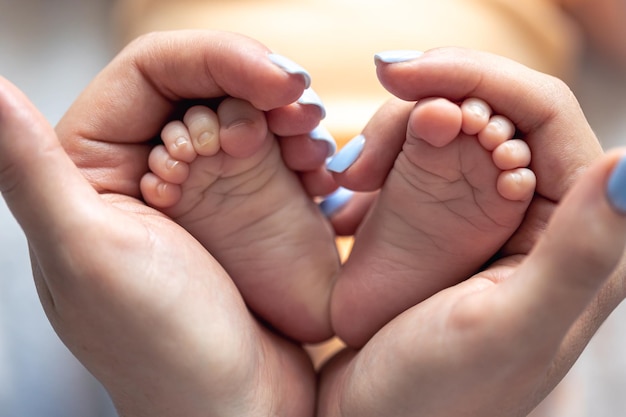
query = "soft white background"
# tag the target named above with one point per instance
(51, 49)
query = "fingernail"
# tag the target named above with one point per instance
(616, 189)
(321, 133)
(396, 56)
(347, 155)
(291, 67)
(309, 96)
(335, 201)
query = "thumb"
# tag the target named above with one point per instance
(40, 184)
(580, 250)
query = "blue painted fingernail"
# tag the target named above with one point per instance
(310, 97)
(335, 201)
(322, 134)
(616, 188)
(396, 56)
(347, 155)
(291, 67)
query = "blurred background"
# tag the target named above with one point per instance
(51, 49)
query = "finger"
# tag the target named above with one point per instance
(144, 81)
(317, 183)
(542, 107)
(308, 152)
(363, 163)
(41, 185)
(511, 331)
(299, 117)
(349, 211)
(581, 248)
(135, 95)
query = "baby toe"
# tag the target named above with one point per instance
(514, 153)
(177, 140)
(243, 128)
(204, 129)
(167, 168)
(498, 130)
(517, 185)
(159, 193)
(476, 114)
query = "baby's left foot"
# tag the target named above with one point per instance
(458, 190)
(220, 175)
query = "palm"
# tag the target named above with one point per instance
(520, 325)
(440, 346)
(154, 302)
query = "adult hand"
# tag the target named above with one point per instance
(139, 301)
(160, 75)
(497, 343)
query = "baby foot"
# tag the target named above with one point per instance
(457, 191)
(220, 175)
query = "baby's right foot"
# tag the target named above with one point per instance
(457, 192)
(220, 175)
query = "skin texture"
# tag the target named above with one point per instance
(550, 298)
(151, 313)
(252, 214)
(445, 208)
(144, 299)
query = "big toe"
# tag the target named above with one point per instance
(243, 128)
(436, 121)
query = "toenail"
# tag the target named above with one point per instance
(310, 97)
(397, 56)
(171, 163)
(290, 67)
(335, 201)
(616, 188)
(499, 126)
(180, 142)
(161, 189)
(476, 107)
(347, 155)
(204, 138)
(320, 133)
